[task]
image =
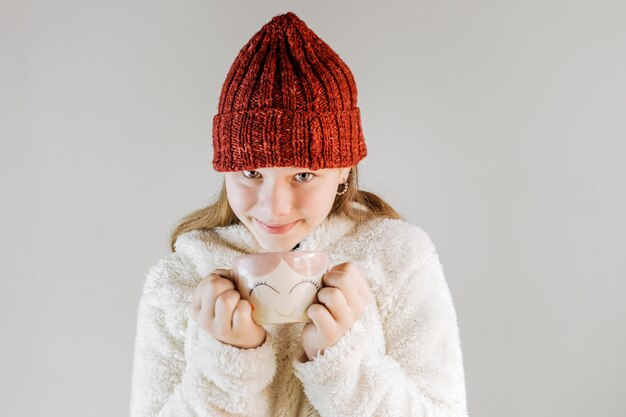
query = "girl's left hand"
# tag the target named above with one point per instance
(342, 302)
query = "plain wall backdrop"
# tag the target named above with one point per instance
(496, 126)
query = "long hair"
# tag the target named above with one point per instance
(219, 213)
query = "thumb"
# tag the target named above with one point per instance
(341, 267)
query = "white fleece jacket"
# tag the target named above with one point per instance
(402, 358)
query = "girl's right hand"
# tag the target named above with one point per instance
(218, 309)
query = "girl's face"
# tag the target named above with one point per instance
(281, 205)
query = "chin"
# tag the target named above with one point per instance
(278, 247)
(278, 243)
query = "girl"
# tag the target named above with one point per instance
(383, 338)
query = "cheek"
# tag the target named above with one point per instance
(317, 202)
(240, 198)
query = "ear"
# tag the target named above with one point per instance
(343, 174)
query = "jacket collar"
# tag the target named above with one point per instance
(214, 248)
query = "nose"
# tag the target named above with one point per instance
(277, 200)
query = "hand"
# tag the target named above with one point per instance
(342, 302)
(218, 309)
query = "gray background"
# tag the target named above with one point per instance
(496, 126)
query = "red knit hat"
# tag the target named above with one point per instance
(288, 100)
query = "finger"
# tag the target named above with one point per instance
(216, 286)
(242, 315)
(224, 308)
(227, 275)
(344, 266)
(322, 319)
(224, 273)
(221, 284)
(359, 280)
(348, 285)
(221, 276)
(335, 302)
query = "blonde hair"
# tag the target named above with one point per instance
(220, 214)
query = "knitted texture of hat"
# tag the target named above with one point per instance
(288, 100)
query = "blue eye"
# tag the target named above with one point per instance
(251, 174)
(307, 179)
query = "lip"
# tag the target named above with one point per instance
(275, 229)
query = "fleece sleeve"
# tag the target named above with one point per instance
(407, 364)
(180, 370)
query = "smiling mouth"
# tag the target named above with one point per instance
(285, 315)
(276, 229)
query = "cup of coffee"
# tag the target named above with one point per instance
(280, 285)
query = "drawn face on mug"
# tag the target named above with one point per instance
(280, 285)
